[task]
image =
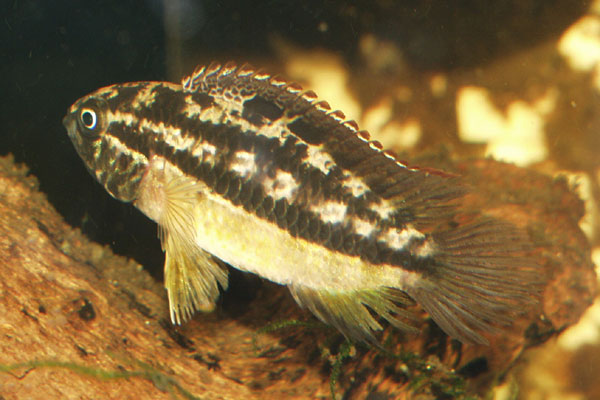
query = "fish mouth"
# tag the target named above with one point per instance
(70, 125)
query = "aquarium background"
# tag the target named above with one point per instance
(516, 80)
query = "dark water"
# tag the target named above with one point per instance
(53, 52)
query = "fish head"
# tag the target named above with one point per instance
(104, 132)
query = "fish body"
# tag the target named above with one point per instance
(236, 165)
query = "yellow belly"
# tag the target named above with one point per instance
(255, 245)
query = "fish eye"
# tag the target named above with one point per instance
(88, 118)
(91, 117)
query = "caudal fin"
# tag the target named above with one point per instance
(480, 278)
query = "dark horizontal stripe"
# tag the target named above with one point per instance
(297, 219)
(314, 186)
(130, 137)
(290, 157)
(270, 156)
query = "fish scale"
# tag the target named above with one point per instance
(236, 165)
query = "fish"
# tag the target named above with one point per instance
(243, 168)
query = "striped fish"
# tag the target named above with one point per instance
(236, 165)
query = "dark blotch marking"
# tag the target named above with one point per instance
(183, 161)
(86, 312)
(400, 258)
(122, 174)
(126, 95)
(289, 156)
(167, 103)
(203, 100)
(123, 184)
(123, 162)
(255, 119)
(222, 137)
(306, 131)
(105, 158)
(311, 177)
(257, 109)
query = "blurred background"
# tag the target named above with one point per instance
(515, 80)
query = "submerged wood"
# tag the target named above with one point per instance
(87, 324)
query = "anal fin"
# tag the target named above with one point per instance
(350, 311)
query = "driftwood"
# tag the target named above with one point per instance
(78, 322)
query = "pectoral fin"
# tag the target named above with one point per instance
(192, 275)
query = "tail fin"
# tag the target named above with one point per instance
(480, 278)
